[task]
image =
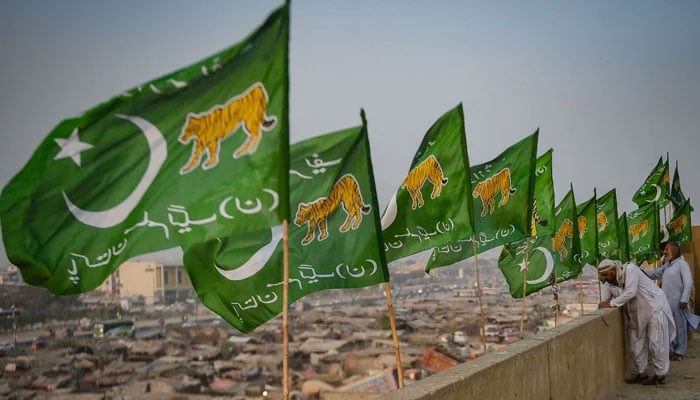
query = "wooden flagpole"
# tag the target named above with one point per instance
(522, 312)
(555, 295)
(394, 333)
(285, 313)
(580, 294)
(478, 291)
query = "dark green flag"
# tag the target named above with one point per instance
(566, 242)
(623, 238)
(335, 240)
(543, 198)
(677, 197)
(608, 245)
(587, 232)
(196, 154)
(643, 233)
(431, 207)
(680, 228)
(652, 190)
(503, 191)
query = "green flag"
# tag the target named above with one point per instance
(643, 233)
(680, 228)
(196, 154)
(676, 196)
(652, 190)
(608, 245)
(543, 199)
(540, 264)
(431, 207)
(566, 242)
(502, 190)
(623, 238)
(335, 241)
(587, 232)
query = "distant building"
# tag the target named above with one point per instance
(154, 282)
(11, 276)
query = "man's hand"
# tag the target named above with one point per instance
(682, 305)
(604, 304)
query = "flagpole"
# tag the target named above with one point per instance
(600, 288)
(478, 291)
(580, 294)
(285, 313)
(394, 333)
(555, 295)
(522, 313)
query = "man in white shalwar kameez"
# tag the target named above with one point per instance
(649, 321)
(676, 282)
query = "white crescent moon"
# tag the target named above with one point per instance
(390, 213)
(158, 153)
(548, 269)
(257, 261)
(658, 193)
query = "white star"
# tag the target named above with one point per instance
(71, 147)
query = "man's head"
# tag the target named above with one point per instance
(608, 271)
(672, 251)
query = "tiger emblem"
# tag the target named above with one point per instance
(558, 240)
(536, 219)
(665, 179)
(345, 191)
(429, 170)
(489, 188)
(209, 129)
(602, 221)
(678, 224)
(639, 229)
(582, 228)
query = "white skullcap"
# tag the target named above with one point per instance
(608, 264)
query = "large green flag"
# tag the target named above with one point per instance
(196, 154)
(680, 228)
(543, 198)
(608, 245)
(546, 254)
(432, 206)
(653, 188)
(587, 232)
(335, 241)
(643, 233)
(676, 196)
(623, 238)
(503, 192)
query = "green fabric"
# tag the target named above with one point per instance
(676, 196)
(643, 233)
(608, 244)
(502, 190)
(623, 238)
(653, 188)
(566, 245)
(132, 174)
(680, 227)
(432, 205)
(588, 232)
(240, 277)
(543, 207)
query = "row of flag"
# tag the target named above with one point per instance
(200, 159)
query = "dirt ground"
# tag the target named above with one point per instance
(682, 382)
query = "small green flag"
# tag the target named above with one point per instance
(680, 228)
(653, 188)
(543, 201)
(643, 233)
(677, 197)
(196, 154)
(502, 190)
(335, 241)
(587, 232)
(540, 264)
(431, 207)
(608, 245)
(623, 238)
(566, 242)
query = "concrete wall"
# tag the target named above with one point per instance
(582, 359)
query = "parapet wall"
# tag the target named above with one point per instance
(582, 359)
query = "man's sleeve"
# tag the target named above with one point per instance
(631, 286)
(687, 279)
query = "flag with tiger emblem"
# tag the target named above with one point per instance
(502, 193)
(623, 238)
(643, 233)
(655, 187)
(335, 239)
(587, 226)
(676, 195)
(680, 227)
(566, 241)
(606, 219)
(543, 198)
(431, 206)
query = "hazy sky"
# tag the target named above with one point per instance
(612, 85)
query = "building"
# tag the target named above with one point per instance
(10, 276)
(154, 282)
